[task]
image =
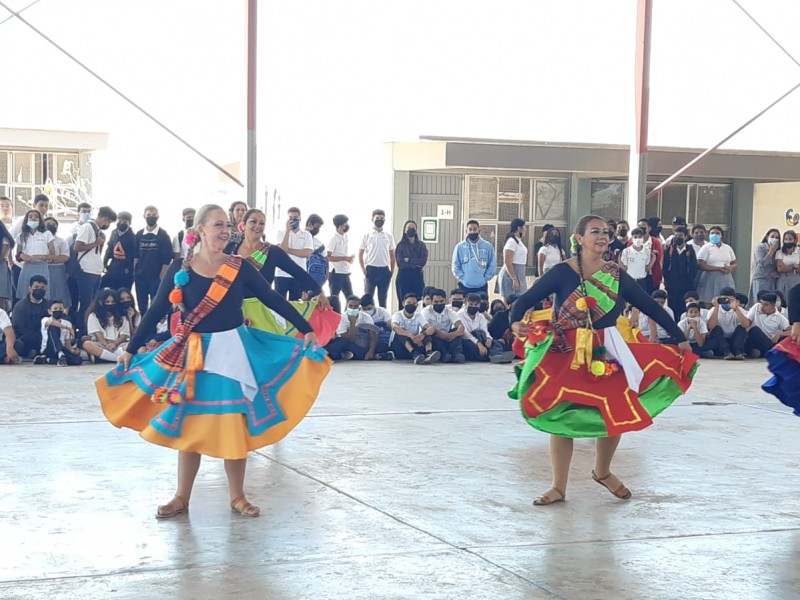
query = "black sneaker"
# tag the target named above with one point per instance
(446, 358)
(755, 353)
(419, 358)
(503, 358)
(728, 356)
(432, 357)
(707, 354)
(459, 359)
(62, 361)
(387, 356)
(346, 355)
(40, 360)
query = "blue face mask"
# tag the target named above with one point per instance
(352, 312)
(715, 238)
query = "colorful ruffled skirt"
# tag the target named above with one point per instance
(323, 322)
(783, 361)
(240, 390)
(639, 381)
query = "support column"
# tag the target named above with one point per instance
(637, 175)
(252, 31)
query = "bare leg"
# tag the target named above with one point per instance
(188, 465)
(606, 447)
(560, 458)
(235, 469)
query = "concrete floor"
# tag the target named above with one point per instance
(405, 482)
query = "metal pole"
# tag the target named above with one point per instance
(252, 72)
(637, 175)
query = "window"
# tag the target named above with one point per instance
(706, 203)
(496, 201)
(608, 199)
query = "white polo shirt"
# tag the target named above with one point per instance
(727, 319)
(298, 240)
(479, 323)
(179, 246)
(339, 247)
(716, 256)
(769, 324)
(635, 261)
(691, 334)
(443, 321)
(552, 256)
(362, 319)
(644, 324)
(413, 324)
(92, 261)
(376, 246)
(4, 322)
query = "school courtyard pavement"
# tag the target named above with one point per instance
(404, 482)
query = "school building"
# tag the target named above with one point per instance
(441, 183)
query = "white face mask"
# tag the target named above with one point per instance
(774, 241)
(638, 242)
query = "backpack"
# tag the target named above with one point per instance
(317, 266)
(73, 264)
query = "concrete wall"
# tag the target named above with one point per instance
(771, 202)
(741, 232)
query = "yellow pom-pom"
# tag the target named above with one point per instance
(598, 368)
(580, 304)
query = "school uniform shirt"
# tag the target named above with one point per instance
(110, 331)
(443, 321)
(771, 325)
(635, 261)
(644, 324)
(36, 243)
(362, 319)
(339, 247)
(154, 251)
(716, 256)
(64, 333)
(380, 315)
(519, 249)
(316, 243)
(5, 321)
(61, 246)
(479, 323)
(552, 256)
(727, 319)
(790, 260)
(376, 246)
(298, 240)
(179, 246)
(413, 324)
(691, 334)
(90, 261)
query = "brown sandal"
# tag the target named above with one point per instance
(174, 507)
(244, 508)
(620, 491)
(547, 498)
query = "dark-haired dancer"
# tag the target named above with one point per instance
(582, 376)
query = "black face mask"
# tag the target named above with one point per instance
(122, 227)
(484, 306)
(103, 227)
(472, 310)
(189, 223)
(314, 231)
(457, 303)
(52, 229)
(789, 245)
(38, 294)
(497, 310)
(473, 237)
(345, 228)
(410, 308)
(379, 223)
(127, 304)
(678, 242)
(623, 233)
(58, 315)
(438, 308)
(412, 233)
(151, 221)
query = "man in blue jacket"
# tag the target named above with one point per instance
(474, 261)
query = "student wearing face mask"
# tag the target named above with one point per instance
(474, 261)
(340, 259)
(179, 247)
(680, 269)
(456, 300)
(152, 258)
(787, 263)
(56, 268)
(412, 256)
(727, 325)
(637, 260)
(120, 253)
(83, 217)
(695, 329)
(512, 277)
(410, 337)
(717, 262)
(357, 336)
(88, 260)
(698, 236)
(445, 328)
(616, 245)
(551, 253)
(127, 308)
(623, 231)
(34, 248)
(767, 326)
(479, 346)
(377, 258)
(763, 270)
(107, 328)
(58, 339)
(382, 319)
(27, 318)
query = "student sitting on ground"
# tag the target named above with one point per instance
(478, 343)
(58, 337)
(484, 306)
(107, 328)
(410, 334)
(8, 355)
(692, 297)
(381, 318)
(456, 300)
(500, 326)
(427, 296)
(356, 337)
(767, 326)
(128, 309)
(27, 317)
(727, 325)
(652, 330)
(445, 328)
(695, 329)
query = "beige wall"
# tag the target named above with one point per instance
(771, 201)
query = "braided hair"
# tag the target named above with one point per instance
(191, 239)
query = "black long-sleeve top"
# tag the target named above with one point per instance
(277, 258)
(227, 315)
(411, 256)
(562, 280)
(794, 304)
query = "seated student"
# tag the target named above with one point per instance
(500, 326)
(456, 300)
(427, 296)
(484, 306)
(478, 343)
(8, 355)
(161, 336)
(27, 318)
(381, 318)
(58, 337)
(727, 325)
(410, 337)
(445, 328)
(128, 309)
(695, 329)
(767, 326)
(108, 330)
(744, 300)
(356, 337)
(781, 304)
(649, 328)
(692, 297)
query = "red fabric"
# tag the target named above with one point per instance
(324, 323)
(789, 347)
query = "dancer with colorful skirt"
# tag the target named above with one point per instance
(216, 387)
(783, 361)
(266, 258)
(585, 375)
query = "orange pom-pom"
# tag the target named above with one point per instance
(176, 296)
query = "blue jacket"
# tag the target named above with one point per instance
(474, 264)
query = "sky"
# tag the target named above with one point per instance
(338, 79)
